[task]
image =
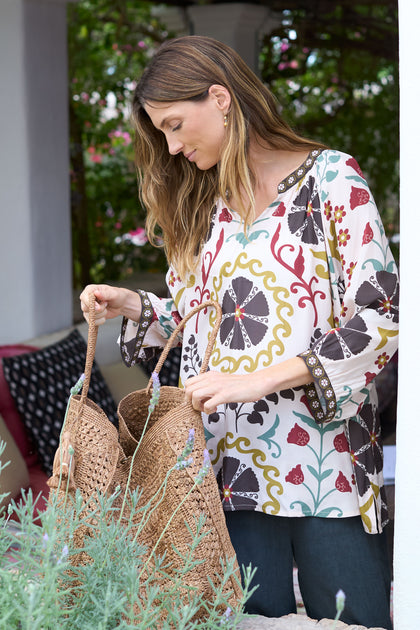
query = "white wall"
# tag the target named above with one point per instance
(35, 243)
(407, 493)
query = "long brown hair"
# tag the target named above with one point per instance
(178, 196)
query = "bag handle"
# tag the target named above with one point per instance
(93, 335)
(91, 347)
(179, 327)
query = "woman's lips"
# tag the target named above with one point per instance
(190, 155)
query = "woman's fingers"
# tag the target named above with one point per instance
(103, 294)
(207, 391)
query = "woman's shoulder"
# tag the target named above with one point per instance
(340, 158)
(333, 165)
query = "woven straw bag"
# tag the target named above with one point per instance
(103, 458)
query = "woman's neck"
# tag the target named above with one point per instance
(270, 167)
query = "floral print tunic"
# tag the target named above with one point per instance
(313, 277)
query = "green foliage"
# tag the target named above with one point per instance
(334, 72)
(44, 586)
(336, 78)
(110, 43)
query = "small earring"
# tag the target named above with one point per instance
(225, 120)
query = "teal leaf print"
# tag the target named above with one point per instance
(327, 511)
(266, 437)
(166, 323)
(334, 158)
(208, 436)
(326, 474)
(330, 426)
(305, 507)
(319, 426)
(356, 178)
(324, 195)
(330, 175)
(314, 472)
(376, 264)
(244, 239)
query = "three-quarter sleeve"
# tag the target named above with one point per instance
(364, 287)
(159, 317)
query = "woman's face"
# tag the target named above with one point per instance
(194, 128)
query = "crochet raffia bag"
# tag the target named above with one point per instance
(101, 458)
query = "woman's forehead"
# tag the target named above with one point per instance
(160, 112)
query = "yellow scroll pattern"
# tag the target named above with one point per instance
(241, 445)
(276, 346)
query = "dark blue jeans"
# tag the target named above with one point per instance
(330, 554)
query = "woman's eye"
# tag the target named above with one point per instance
(178, 126)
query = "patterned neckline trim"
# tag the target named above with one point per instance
(300, 172)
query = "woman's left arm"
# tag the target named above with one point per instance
(337, 370)
(210, 389)
(364, 289)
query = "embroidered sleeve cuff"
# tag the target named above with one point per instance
(130, 344)
(322, 385)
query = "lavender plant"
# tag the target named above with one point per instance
(42, 587)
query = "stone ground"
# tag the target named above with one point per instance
(295, 622)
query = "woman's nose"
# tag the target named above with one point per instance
(174, 146)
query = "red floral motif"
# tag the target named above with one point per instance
(369, 377)
(298, 436)
(342, 484)
(176, 317)
(358, 197)
(354, 164)
(367, 234)
(295, 476)
(328, 209)
(340, 443)
(339, 213)
(344, 310)
(280, 210)
(225, 215)
(343, 237)
(382, 360)
(386, 305)
(239, 313)
(354, 458)
(350, 269)
(173, 278)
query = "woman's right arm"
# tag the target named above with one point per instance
(110, 302)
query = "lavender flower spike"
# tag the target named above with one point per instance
(155, 393)
(181, 464)
(204, 469)
(184, 460)
(189, 445)
(76, 388)
(340, 600)
(226, 616)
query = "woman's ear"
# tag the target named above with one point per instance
(222, 97)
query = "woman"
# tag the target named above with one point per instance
(285, 235)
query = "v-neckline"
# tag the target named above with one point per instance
(291, 180)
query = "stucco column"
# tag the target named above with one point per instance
(407, 490)
(35, 236)
(236, 24)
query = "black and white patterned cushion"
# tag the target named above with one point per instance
(40, 384)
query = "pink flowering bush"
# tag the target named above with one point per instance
(109, 45)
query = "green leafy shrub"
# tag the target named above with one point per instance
(43, 586)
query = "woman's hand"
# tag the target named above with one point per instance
(207, 391)
(110, 302)
(210, 389)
